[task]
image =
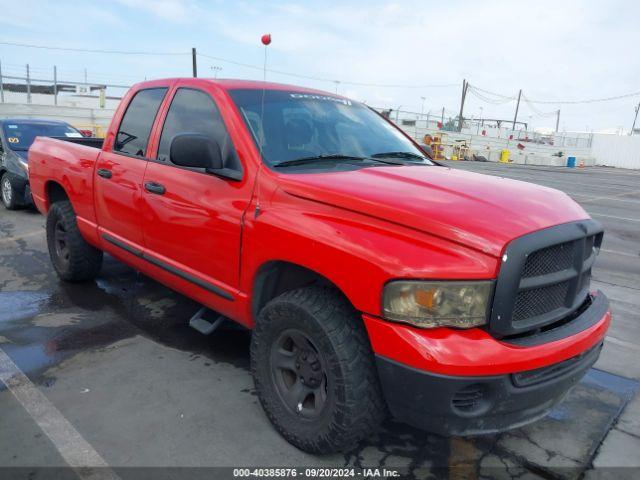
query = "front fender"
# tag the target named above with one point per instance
(357, 253)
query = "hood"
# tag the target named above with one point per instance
(481, 211)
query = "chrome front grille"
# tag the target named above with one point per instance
(545, 277)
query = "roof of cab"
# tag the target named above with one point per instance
(237, 84)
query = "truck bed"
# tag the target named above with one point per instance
(68, 162)
(87, 141)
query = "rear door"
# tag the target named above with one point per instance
(192, 220)
(120, 171)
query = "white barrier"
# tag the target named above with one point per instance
(76, 116)
(616, 150)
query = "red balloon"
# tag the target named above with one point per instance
(266, 39)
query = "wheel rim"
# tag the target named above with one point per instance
(61, 245)
(299, 374)
(6, 191)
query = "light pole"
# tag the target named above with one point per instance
(215, 69)
(421, 114)
(479, 120)
(398, 113)
(634, 119)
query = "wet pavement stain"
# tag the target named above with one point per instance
(121, 304)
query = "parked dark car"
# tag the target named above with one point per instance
(16, 136)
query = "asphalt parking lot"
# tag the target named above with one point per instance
(125, 380)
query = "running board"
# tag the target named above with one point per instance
(203, 325)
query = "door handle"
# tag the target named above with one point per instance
(104, 173)
(153, 187)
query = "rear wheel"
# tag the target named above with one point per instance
(72, 257)
(314, 370)
(9, 194)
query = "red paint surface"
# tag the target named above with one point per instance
(359, 229)
(472, 352)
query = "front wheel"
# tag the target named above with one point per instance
(314, 370)
(9, 194)
(72, 257)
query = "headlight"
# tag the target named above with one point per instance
(427, 304)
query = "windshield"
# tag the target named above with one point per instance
(20, 135)
(303, 126)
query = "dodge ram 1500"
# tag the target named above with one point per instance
(374, 280)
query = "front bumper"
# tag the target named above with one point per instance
(484, 385)
(451, 405)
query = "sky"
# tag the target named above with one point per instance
(416, 53)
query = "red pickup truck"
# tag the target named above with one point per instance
(375, 280)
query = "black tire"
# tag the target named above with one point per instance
(351, 402)
(8, 193)
(72, 257)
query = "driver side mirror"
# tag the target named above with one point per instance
(195, 150)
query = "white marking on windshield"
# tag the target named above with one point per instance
(309, 96)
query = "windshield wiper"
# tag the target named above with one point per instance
(399, 155)
(336, 157)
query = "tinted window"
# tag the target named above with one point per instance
(293, 125)
(20, 135)
(194, 111)
(136, 124)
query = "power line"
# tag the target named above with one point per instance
(591, 100)
(226, 60)
(88, 50)
(494, 101)
(536, 111)
(506, 98)
(326, 79)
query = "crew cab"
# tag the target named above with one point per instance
(374, 280)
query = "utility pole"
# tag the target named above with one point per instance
(557, 120)
(464, 95)
(28, 85)
(442, 117)
(194, 62)
(515, 117)
(1, 85)
(55, 85)
(634, 119)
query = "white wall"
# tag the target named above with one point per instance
(65, 99)
(490, 147)
(608, 150)
(621, 151)
(96, 119)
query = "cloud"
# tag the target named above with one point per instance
(552, 50)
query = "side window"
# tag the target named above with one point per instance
(194, 111)
(134, 130)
